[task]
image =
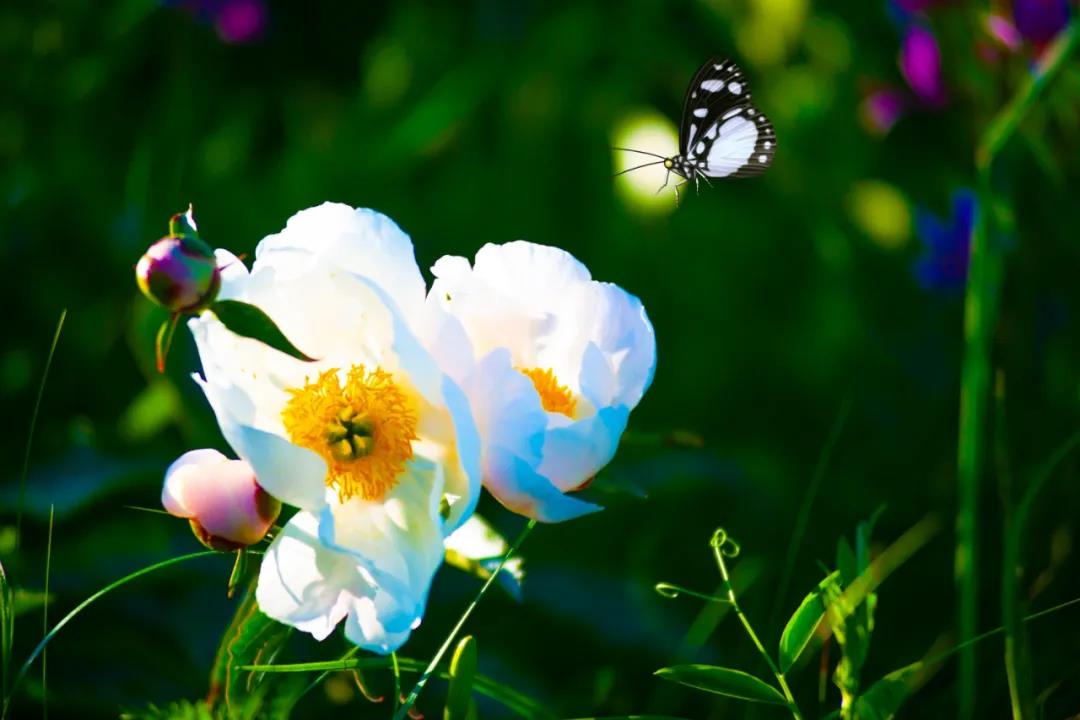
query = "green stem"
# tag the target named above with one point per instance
(403, 711)
(33, 425)
(718, 551)
(980, 318)
(83, 605)
(1021, 697)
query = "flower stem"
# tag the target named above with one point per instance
(403, 711)
(980, 318)
(720, 543)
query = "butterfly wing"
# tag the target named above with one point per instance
(722, 133)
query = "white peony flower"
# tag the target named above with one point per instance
(562, 360)
(372, 442)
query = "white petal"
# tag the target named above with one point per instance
(292, 474)
(360, 241)
(519, 487)
(233, 275)
(575, 453)
(398, 539)
(303, 584)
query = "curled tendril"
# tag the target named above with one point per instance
(671, 592)
(722, 542)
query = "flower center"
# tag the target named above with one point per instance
(363, 429)
(554, 397)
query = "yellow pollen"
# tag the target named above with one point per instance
(364, 430)
(554, 397)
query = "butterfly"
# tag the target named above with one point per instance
(721, 134)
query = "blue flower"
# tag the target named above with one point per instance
(943, 264)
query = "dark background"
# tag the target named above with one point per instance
(775, 301)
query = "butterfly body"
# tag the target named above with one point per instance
(721, 133)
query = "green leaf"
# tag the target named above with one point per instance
(883, 699)
(802, 626)
(249, 321)
(723, 681)
(632, 717)
(462, 672)
(251, 637)
(7, 624)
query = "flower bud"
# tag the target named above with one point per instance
(179, 273)
(227, 508)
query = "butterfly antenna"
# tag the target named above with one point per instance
(636, 167)
(640, 152)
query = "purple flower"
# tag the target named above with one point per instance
(1040, 20)
(881, 108)
(920, 62)
(1003, 31)
(241, 21)
(236, 21)
(943, 263)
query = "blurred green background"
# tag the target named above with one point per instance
(775, 302)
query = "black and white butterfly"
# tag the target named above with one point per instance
(721, 134)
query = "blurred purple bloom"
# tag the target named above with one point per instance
(1040, 20)
(881, 109)
(917, 5)
(236, 21)
(1001, 29)
(920, 61)
(944, 262)
(241, 21)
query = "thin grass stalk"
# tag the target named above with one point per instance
(33, 426)
(980, 317)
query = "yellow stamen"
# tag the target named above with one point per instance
(554, 397)
(364, 430)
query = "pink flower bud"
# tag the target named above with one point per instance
(221, 497)
(179, 273)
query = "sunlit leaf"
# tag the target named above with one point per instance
(462, 673)
(802, 626)
(883, 699)
(723, 681)
(251, 322)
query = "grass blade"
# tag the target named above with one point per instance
(403, 711)
(980, 318)
(33, 426)
(7, 624)
(83, 605)
(1020, 691)
(505, 695)
(803, 518)
(45, 619)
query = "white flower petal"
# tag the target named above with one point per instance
(519, 487)
(575, 453)
(398, 539)
(361, 241)
(303, 584)
(233, 273)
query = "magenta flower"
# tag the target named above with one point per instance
(920, 62)
(881, 108)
